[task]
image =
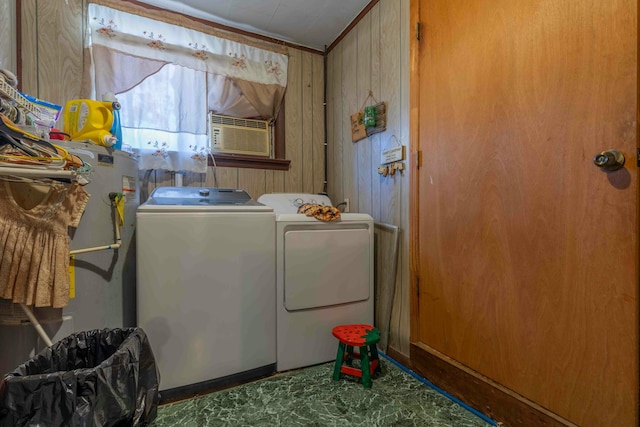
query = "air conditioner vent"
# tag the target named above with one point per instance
(239, 136)
(233, 121)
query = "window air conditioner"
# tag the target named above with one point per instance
(239, 136)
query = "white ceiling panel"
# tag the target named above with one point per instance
(311, 23)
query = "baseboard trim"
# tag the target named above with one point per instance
(399, 357)
(205, 387)
(479, 392)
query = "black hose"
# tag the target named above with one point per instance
(324, 104)
(144, 186)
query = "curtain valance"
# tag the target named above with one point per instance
(142, 46)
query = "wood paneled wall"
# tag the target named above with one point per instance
(7, 31)
(374, 56)
(52, 49)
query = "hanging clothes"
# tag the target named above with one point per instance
(34, 240)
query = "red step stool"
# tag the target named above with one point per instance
(365, 338)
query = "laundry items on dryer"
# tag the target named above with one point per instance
(324, 278)
(206, 286)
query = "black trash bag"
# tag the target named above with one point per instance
(105, 377)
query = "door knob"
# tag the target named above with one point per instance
(609, 160)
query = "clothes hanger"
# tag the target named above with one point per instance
(23, 148)
(6, 139)
(31, 150)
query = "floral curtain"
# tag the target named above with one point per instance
(168, 77)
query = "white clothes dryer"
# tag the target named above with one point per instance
(324, 278)
(206, 286)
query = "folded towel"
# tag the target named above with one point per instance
(320, 212)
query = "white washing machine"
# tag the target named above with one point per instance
(206, 286)
(324, 278)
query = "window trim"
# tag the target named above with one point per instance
(249, 162)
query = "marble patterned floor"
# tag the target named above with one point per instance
(309, 397)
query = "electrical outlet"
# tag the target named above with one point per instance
(346, 205)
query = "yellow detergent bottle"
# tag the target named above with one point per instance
(89, 119)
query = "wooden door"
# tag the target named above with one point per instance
(526, 254)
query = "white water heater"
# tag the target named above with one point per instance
(104, 281)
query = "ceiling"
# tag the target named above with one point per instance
(310, 23)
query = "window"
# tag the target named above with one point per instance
(168, 77)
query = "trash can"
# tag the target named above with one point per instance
(104, 377)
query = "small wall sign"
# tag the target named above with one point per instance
(394, 154)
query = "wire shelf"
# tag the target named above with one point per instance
(10, 92)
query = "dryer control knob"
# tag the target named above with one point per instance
(204, 192)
